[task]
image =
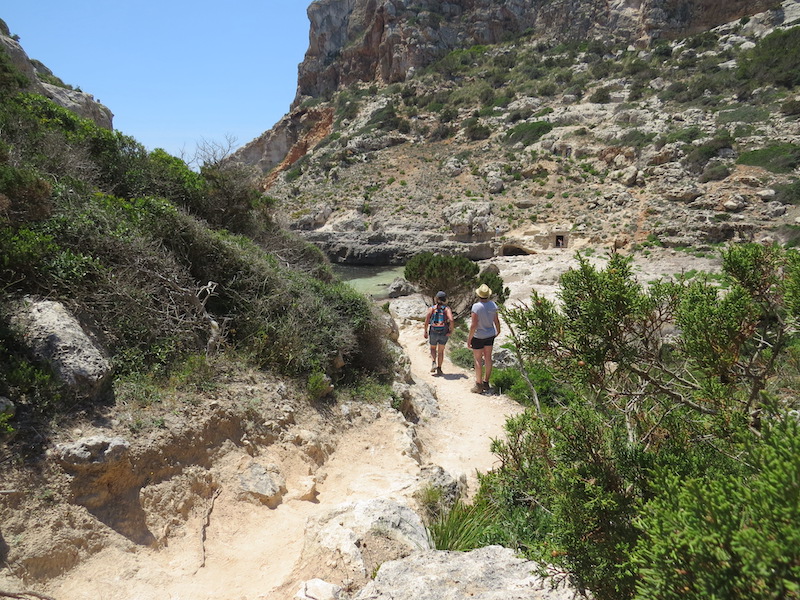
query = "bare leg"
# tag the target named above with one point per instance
(440, 355)
(487, 361)
(478, 356)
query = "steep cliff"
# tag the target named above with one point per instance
(384, 40)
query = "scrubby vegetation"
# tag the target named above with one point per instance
(662, 465)
(457, 276)
(162, 262)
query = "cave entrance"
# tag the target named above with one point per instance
(514, 250)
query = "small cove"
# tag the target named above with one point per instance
(369, 280)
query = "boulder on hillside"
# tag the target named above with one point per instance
(54, 336)
(491, 573)
(400, 287)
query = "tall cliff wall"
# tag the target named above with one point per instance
(382, 40)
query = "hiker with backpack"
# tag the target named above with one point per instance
(438, 327)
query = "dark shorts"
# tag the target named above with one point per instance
(480, 343)
(436, 338)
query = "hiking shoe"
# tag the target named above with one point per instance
(438, 370)
(486, 387)
(433, 367)
(477, 388)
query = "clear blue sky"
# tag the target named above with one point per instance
(173, 72)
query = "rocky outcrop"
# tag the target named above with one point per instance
(491, 573)
(82, 104)
(394, 247)
(384, 40)
(54, 336)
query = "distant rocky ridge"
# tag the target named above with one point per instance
(81, 103)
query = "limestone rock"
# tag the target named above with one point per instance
(491, 573)
(7, 407)
(317, 589)
(264, 484)
(94, 450)
(342, 531)
(76, 101)
(54, 336)
(400, 287)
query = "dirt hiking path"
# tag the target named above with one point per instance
(243, 551)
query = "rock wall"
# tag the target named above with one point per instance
(383, 40)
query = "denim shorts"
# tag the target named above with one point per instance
(480, 343)
(436, 338)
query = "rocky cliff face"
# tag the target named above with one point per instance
(384, 40)
(81, 103)
(526, 144)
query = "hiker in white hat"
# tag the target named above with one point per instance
(484, 328)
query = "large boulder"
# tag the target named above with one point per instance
(54, 336)
(491, 573)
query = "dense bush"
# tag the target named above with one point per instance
(774, 60)
(592, 482)
(455, 275)
(777, 158)
(729, 536)
(147, 251)
(528, 133)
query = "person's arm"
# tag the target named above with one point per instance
(497, 324)
(451, 322)
(472, 328)
(427, 320)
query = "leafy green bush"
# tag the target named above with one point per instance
(714, 172)
(475, 130)
(729, 536)
(777, 158)
(788, 193)
(601, 95)
(698, 156)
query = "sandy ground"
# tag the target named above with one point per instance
(238, 550)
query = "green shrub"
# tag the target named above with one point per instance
(727, 536)
(743, 114)
(28, 194)
(788, 193)
(528, 133)
(698, 156)
(601, 95)
(584, 469)
(474, 130)
(318, 386)
(455, 275)
(774, 60)
(777, 158)
(714, 172)
(791, 108)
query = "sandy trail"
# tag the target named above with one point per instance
(250, 550)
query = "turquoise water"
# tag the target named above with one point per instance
(373, 281)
